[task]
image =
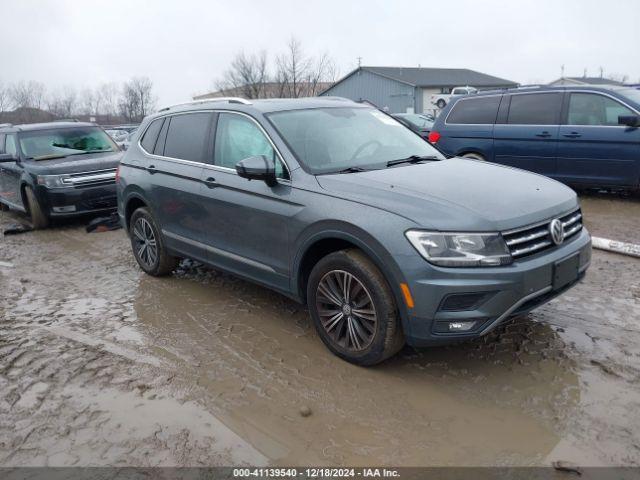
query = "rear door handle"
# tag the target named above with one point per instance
(543, 134)
(572, 135)
(151, 169)
(210, 182)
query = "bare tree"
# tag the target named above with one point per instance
(618, 77)
(4, 97)
(137, 99)
(107, 95)
(27, 94)
(298, 75)
(246, 75)
(63, 103)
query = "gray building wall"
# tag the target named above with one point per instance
(383, 92)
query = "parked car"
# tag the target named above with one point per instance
(335, 205)
(442, 99)
(57, 169)
(420, 123)
(583, 136)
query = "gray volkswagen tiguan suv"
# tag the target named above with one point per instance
(337, 205)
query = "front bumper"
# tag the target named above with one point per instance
(70, 202)
(508, 291)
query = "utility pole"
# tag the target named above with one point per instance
(359, 61)
(562, 71)
(601, 72)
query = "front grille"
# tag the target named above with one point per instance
(529, 240)
(91, 179)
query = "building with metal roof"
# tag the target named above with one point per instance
(401, 89)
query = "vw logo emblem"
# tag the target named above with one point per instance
(556, 230)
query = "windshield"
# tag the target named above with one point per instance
(61, 142)
(327, 140)
(632, 94)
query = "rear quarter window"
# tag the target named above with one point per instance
(482, 110)
(151, 135)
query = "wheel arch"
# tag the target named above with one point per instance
(133, 201)
(327, 239)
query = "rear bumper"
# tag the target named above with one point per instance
(503, 292)
(71, 202)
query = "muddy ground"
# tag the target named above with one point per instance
(103, 365)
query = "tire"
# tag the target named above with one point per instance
(362, 340)
(148, 245)
(4, 207)
(441, 104)
(473, 155)
(38, 218)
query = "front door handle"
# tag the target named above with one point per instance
(572, 135)
(543, 134)
(151, 169)
(210, 182)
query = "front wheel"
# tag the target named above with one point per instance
(353, 308)
(148, 245)
(38, 218)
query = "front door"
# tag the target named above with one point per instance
(11, 174)
(593, 148)
(247, 221)
(529, 137)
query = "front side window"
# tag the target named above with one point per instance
(187, 136)
(535, 109)
(237, 138)
(328, 140)
(593, 109)
(62, 142)
(481, 110)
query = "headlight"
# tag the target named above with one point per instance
(461, 249)
(52, 181)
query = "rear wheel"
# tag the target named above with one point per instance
(441, 104)
(148, 245)
(473, 155)
(38, 218)
(353, 308)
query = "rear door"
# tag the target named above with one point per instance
(593, 148)
(528, 136)
(174, 170)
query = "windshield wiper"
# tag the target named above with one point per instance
(412, 159)
(351, 170)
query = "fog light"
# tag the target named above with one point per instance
(460, 326)
(65, 209)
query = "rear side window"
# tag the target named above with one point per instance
(10, 145)
(481, 110)
(151, 135)
(1, 142)
(535, 109)
(187, 136)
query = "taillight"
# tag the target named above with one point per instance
(434, 137)
(118, 173)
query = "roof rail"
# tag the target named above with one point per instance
(75, 120)
(330, 97)
(6, 125)
(243, 101)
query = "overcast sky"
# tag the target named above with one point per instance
(184, 45)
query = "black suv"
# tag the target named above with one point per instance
(57, 169)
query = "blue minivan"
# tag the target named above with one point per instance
(583, 136)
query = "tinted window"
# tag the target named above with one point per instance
(159, 148)
(151, 135)
(187, 136)
(592, 109)
(535, 109)
(481, 110)
(1, 142)
(238, 138)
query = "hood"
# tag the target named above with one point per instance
(74, 163)
(457, 194)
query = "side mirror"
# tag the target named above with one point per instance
(8, 157)
(629, 120)
(259, 167)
